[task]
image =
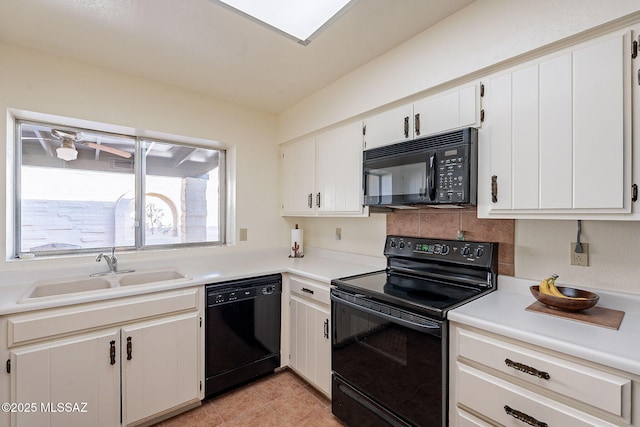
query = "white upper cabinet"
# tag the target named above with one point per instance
(389, 127)
(339, 170)
(556, 140)
(323, 175)
(299, 178)
(452, 109)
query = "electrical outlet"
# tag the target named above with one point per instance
(580, 258)
(243, 234)
(338, 234)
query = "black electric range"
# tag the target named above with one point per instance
(390, 330)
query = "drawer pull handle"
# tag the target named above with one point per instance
(309, 291)
(527, 369)
(528, 419)
(129, 349)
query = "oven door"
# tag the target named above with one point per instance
(387, 370)
(401, 179)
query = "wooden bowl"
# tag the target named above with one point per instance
(566, 304)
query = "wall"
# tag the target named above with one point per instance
(464, 46)
(543, 248)
(38, 82)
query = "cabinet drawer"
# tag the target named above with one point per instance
(465, 419)
(600, 389)
(44, 324)
(312, 290)
(510, 405)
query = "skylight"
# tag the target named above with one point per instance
(300, 19)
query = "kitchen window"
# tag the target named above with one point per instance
(82, 190)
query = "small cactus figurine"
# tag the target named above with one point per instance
(296, 250)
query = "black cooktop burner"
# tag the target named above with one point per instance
(411, 292)
(428, 276)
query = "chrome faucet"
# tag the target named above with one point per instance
(111, 261)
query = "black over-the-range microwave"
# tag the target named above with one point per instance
(435, 170)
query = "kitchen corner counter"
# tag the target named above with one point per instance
(503, 312)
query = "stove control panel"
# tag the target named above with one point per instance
(438, 249)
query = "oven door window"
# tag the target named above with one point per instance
(408, 179)
(397, 366)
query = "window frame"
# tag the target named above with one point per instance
(139, 172)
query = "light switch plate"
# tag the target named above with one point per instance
(578, 258)
(243, 235)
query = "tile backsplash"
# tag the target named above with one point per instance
(445, 224)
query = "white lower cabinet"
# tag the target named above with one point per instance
(121, 362)
(310, 327)
(77, 371)
(159, 366)
(495, 380)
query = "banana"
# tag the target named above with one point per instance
(553, 289)
(545, 285)
(548, 286)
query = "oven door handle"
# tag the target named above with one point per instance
(433, 328)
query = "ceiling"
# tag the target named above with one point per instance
(202, 46)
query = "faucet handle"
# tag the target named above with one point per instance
(113, 252)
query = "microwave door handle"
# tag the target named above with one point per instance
(431, 177)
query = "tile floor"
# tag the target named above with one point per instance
(279, 400)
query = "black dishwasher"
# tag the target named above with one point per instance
(242, 335)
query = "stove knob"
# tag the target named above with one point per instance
(401, 245)
(479, 252)
(444, 250)
(393, 243)
(465, 251)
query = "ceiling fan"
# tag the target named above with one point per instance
(67, 150)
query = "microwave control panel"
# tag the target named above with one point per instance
(453, 174)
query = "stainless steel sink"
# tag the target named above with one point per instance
(67, 287)
(142, 278)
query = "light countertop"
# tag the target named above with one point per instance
(318, 264)
(503, 312)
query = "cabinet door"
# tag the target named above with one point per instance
(310, 342)
(298, 178)
(78, 371)
(160, 366)
(454, 109)
(497, 140)
(322, 338)
(339, 170)
(389, 127)
(557, 135)
(600, 87)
